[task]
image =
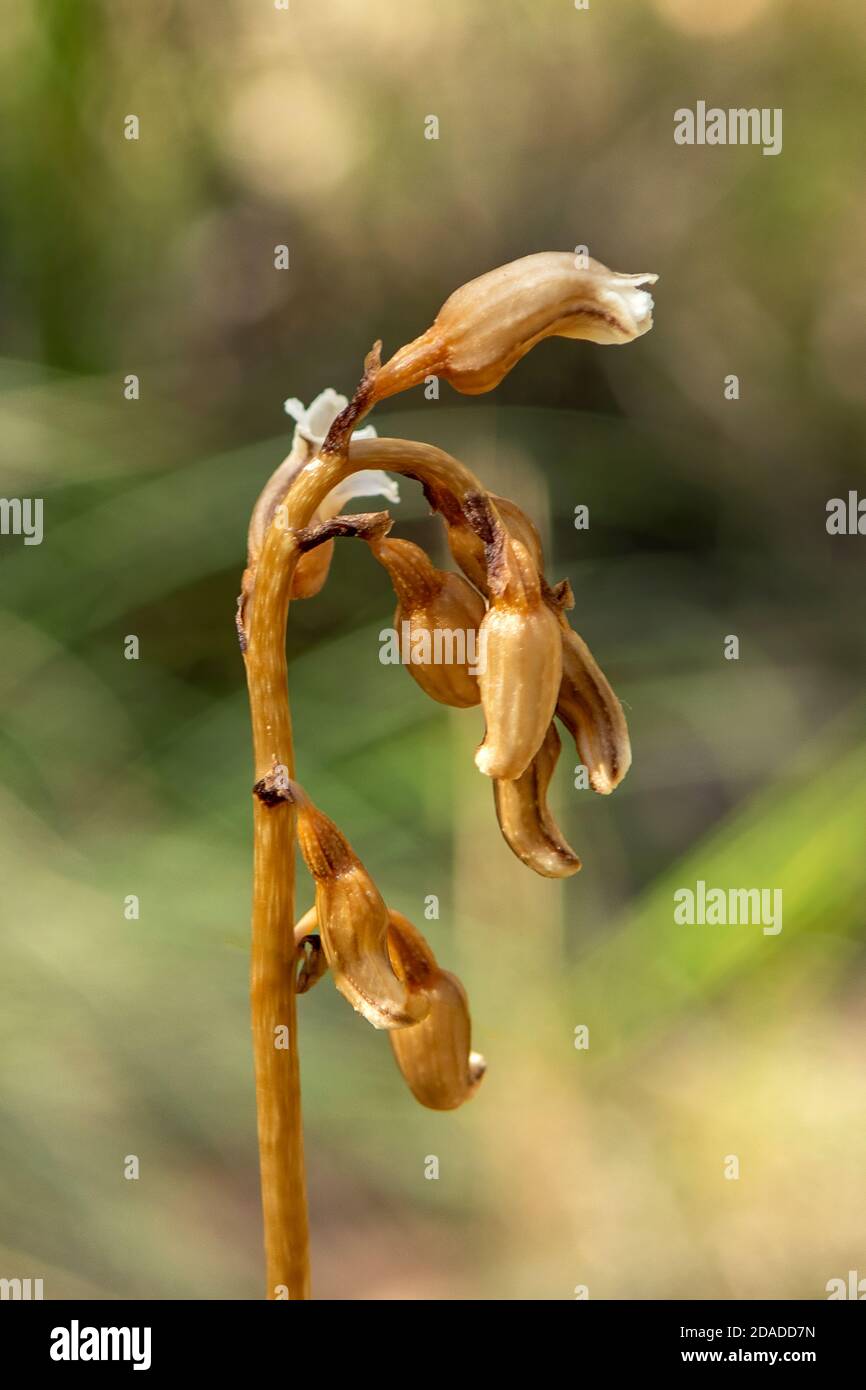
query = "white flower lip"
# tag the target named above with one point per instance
(312, 423)
(637, 303)
(367, 482)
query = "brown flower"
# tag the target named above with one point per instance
(437, 619)
(487, 325)
(522, 667)
(434, 1055)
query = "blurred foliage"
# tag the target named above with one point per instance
(707, 518)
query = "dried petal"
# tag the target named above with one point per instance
(523, 669)
(592, 714)
(353, 923)
(525, 819)
(437, 621)
(435, 1054)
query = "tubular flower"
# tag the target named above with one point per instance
(487, 325)
(593, 715)
(522, 674)
(434, 1055)
(439, 615)
(525, 819)
(353, 923)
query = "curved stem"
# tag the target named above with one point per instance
(450, 488)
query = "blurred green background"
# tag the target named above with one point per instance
(603, 1167)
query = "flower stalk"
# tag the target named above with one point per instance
(537, 668)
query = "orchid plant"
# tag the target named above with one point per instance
(536, 669)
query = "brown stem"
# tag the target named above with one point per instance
(451, 488)
(273, 972)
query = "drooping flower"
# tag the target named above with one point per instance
(434, 1055)
(523, 668)
(525, 819)
(486, 326)
(439, 613)
(593, 715)
(383, 965)
(353, 922)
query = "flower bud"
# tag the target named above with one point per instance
(522, 673)
(435, 1054)
(524, 816)
(487, 325)
(592, 714)
(311, 571)
(353, 924)
(438, 615)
